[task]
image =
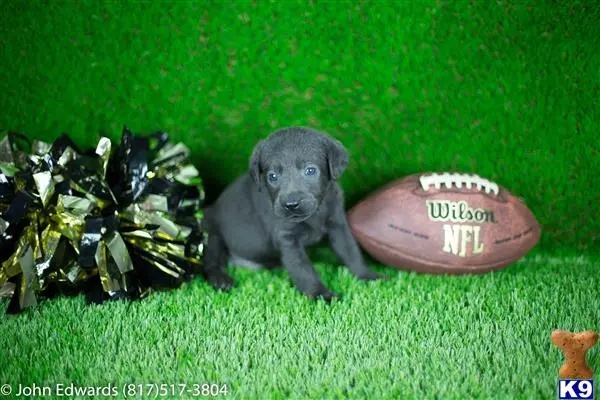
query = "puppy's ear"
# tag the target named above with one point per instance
(254, 164)
(337, 158)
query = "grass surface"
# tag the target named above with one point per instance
(410, 337)
(505, 89)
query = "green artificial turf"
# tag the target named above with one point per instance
(505, 89)
(413, 336)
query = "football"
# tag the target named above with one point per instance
(448, 223)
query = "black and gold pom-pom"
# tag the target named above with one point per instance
(112, 222)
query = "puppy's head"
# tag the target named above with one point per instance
(295, 166)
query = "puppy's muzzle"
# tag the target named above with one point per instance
(296, 205)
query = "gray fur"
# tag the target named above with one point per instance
(269, 222)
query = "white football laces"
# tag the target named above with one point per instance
(458, 180)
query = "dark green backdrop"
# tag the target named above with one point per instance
(505, 89)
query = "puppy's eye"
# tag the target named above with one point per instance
(310, 171)
(272, 177)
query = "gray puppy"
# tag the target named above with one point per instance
(289, 199)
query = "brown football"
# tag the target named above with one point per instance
(444, 223)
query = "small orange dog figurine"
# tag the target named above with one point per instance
(574, 346)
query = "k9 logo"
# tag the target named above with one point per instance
(571, 389)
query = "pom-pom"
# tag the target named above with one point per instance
(112, 222)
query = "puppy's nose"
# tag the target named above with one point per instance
(291, 204)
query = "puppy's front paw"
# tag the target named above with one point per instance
(369, 275)
(220, 280)
(323, 293)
